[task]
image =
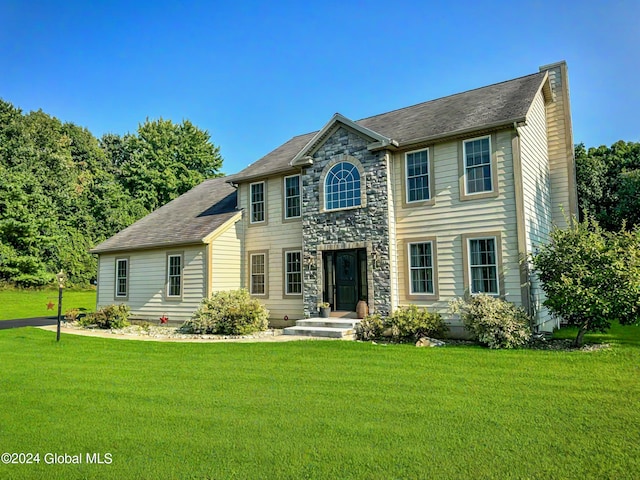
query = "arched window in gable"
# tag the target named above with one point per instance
(342, 187)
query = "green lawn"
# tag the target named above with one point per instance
(33, 303)
(318, 409)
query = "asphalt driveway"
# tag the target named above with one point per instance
(28, 322)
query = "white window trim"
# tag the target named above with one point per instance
(324, 188)
(406, 175)
(181, 276)
(433, 269)
(286, 274)
(284, 195)
(464, 165)
(264, 202)
(126, 293)
(264, 274)
(496, 265)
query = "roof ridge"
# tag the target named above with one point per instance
(449, 96)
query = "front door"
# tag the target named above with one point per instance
(346, 271)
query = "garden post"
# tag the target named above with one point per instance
(60, 277)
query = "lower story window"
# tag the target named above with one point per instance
(293, 273)
(483, 265)
(421, 266)
(258, 274)
(174, 275)
(122, 277)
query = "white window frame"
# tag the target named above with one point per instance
(264, 274)
(496, 265)
(287, 272)
(432, 268)
(118, 294)
(180, 275)
(286, 198)
(358, 203)
(263, 202)
(464, 165)
(428, 175)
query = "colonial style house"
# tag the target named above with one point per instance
(415, 206)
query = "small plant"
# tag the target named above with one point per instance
(146, 326)
(412, 323)
(71, 315)
(324, 305)
(493, 322)
(109, 317)
(231, 312)
(370, 327)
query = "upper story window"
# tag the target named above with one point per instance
(342, 186)
(417, 171)
(122, 277)
(477, 165)
(257, 201)
(292, 196)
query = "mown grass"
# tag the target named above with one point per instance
(19, 303)
(318, 409)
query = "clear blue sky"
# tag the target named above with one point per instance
(254, 74)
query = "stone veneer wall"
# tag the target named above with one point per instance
(363, 227)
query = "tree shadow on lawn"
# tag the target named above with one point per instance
(619, 334)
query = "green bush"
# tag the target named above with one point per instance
(405, 323)
(231, 312)
(370, 327)
(109, 317)
(412, 323)
(494, 322)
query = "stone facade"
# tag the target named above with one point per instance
(362, 227)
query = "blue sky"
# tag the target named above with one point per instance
(255, 74)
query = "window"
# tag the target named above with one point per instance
(122, 277)
(293, 273)
(292, 196)
(258, 274)
(342, 186)
(421, 267)
(257, 202)
(477, 166)
(483, 265)
(417, 172)
(174, 275)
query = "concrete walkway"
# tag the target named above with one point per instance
(28, 322)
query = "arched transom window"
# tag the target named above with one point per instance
(342, 186)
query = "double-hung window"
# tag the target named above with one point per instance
(292, 196)
(421, 266)
(477, 166)
(483, 265)
(293, 272)
(122, 278)
(258, 274)
(174, 275)
(417, 171)
(257, 201)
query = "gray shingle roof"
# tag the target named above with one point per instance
(186, 220)
(490, 106)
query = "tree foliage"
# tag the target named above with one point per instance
(608, 182)
(63, 191)
(591, 277)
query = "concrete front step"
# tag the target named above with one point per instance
(324, 327)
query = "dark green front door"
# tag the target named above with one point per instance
(346, 272)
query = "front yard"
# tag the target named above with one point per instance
(318, 409)
(17, 303)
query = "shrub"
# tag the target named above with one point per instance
(71, 315)
(413, 322)
(231, 312)
(370, 327)
(494, 322)
(111, 316)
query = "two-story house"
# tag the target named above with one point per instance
(415, 206)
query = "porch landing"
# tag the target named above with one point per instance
(344, 328)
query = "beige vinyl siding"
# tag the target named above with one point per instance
(226, 259)
(272, 237)
(393, 244)
(537, 198)
(561, 163)
(450, 218)
(147, 283)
